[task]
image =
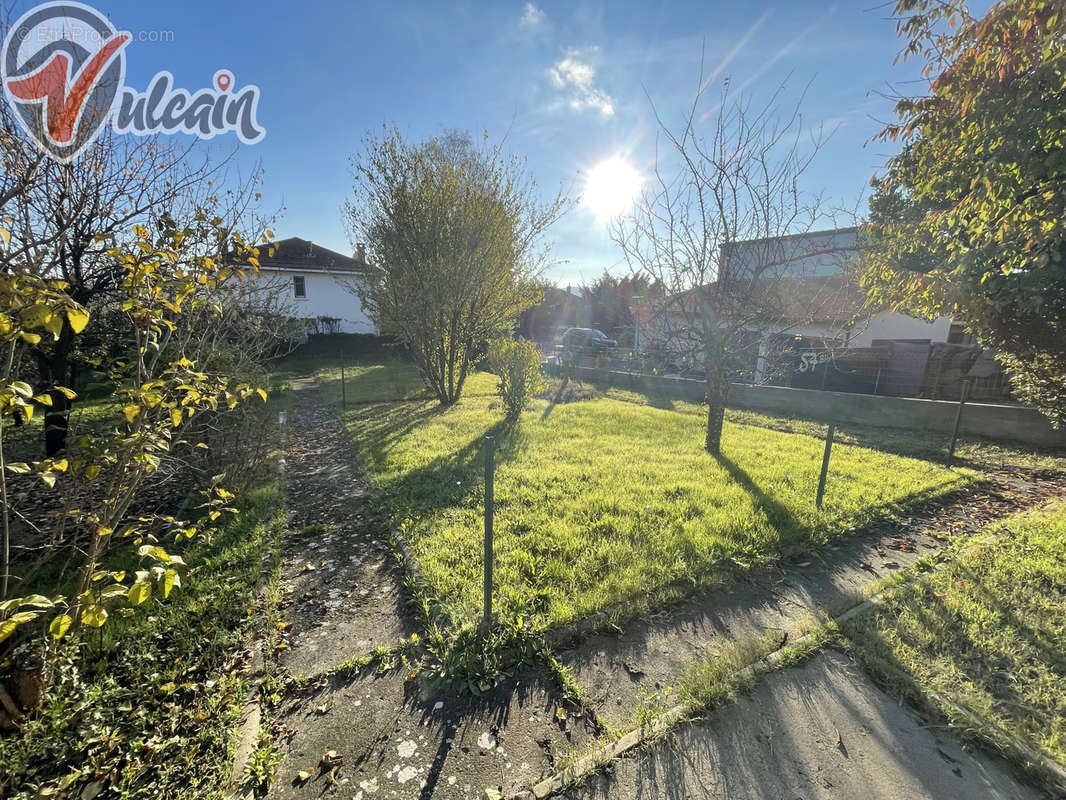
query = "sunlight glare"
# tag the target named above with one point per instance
(611, 187)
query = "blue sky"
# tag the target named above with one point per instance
(567, 83)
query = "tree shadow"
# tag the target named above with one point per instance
(779, 516)
(970, 662)
(454, 479)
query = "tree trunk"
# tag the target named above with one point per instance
(717, 396)
(56, 424)
(55, 371)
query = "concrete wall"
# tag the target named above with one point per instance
(997, 422)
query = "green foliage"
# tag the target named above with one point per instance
(451, 230)
(988, 631)
(610, 301)
(969, 221)
(155, 392)
(601, 501)
(146, 706)
(517, 364)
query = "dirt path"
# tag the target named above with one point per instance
(391, 735)
(618, 671)
(342, 595)
(821, 731)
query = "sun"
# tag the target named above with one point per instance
(611, 187)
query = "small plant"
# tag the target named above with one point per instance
(517, 363)
(259, 770)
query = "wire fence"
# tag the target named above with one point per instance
(929, 370)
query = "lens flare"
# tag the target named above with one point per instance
(611, 187)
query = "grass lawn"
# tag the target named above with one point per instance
(988, 631)
(601, 501)
(975, 453)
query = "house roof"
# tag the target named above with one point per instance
(302, 255)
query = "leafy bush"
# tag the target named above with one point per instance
(517, 363)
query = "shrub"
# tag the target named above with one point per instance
(517, 363)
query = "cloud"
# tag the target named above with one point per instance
(531, 16)
(576, 78)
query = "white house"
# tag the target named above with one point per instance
(315, 283)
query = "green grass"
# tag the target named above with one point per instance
(988, 631)
(601, 502)
(973, 453)
(146, 706)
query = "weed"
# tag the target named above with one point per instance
(261, 764)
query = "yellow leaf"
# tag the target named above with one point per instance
(175, 417)
(91, 471)
(67, 393)
(170, 580)
(131, 413)
(61, 465)
(22, 389)
(94, 616)
(304, 775)
(30, 338)
(262, 394)
(7, 627)
(60, 625)
(78, 318)
(138, 593)
(54, 325)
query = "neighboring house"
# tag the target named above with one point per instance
(316, 284)
(822, 301)
(813, 313)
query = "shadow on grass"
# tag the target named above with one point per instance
(454, 479)
(776, 512)
(940, 635)
(653, 399)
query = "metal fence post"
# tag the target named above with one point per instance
(958, 420)
(825, 458)
(344, 393)
(490, 444)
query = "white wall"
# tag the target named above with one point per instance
(890, 325)
(327, 296)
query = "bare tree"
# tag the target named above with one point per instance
(720, 227)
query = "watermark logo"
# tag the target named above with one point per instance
(63, 67)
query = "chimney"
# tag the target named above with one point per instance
(310, 248)
(360, 252)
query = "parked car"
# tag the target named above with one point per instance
(587, 339)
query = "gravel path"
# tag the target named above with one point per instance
(388, 734)
(342, 595)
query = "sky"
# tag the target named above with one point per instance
(567, 85)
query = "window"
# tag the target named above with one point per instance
(299, 287)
